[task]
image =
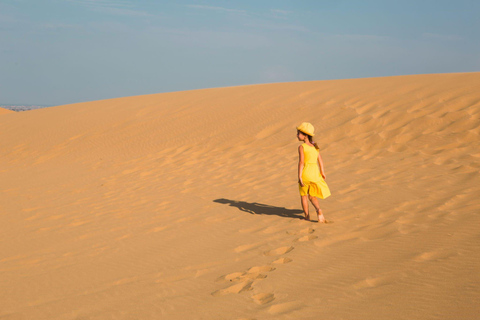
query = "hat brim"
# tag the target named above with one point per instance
(310, 134)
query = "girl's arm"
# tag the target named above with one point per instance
(320, 163)
(300, 164)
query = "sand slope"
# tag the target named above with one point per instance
(5, 111)
(185, 205)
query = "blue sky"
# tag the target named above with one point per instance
(56, 52)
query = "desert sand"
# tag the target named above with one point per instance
(185, 205)
(4, 111)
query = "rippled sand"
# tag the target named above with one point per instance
(185, 205)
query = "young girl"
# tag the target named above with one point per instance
(311, 180)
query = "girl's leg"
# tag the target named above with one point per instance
(320, 216)
(305, 206)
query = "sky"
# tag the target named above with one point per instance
(55, 52)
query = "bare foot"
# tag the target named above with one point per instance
(307, 217)
(321, 218)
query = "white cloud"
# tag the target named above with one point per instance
(278, 26)
(113, 7)
(56, 26)
(124, 12)
(280, 14)
(211, 39)
(104, 3)
(194, 6)
(444, 37)
(359, 37)
(279, 11)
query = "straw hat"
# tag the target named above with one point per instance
(306, 128)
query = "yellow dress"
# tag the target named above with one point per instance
(313, 183)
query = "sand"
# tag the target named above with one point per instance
(185, 205)
(5, 111)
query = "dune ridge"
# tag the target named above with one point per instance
(185, 205)
(5, 111)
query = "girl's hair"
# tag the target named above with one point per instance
(310, 138)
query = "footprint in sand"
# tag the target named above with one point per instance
(232, 277)
(307, 230)
(278, 251)
(255, 276)
(435, 255)
(260, 269)
(247, 247)
(303, 231)
(272, 229)
(241, 276)
(285, 307)
(236, 288)
(282, 261)
(245, 280)
(306, 238)
(373, 282)
(263, 298)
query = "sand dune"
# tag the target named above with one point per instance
(5, 111)
(185, 205)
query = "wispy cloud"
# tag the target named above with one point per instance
(277, 26)
(219, 9)
(202, 38)
(443, 37)
(359, 37)
(113, 7)
(58, 26)
(280, 12)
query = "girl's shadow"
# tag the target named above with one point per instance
(259, 208)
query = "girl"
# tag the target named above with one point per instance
(311, 180)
